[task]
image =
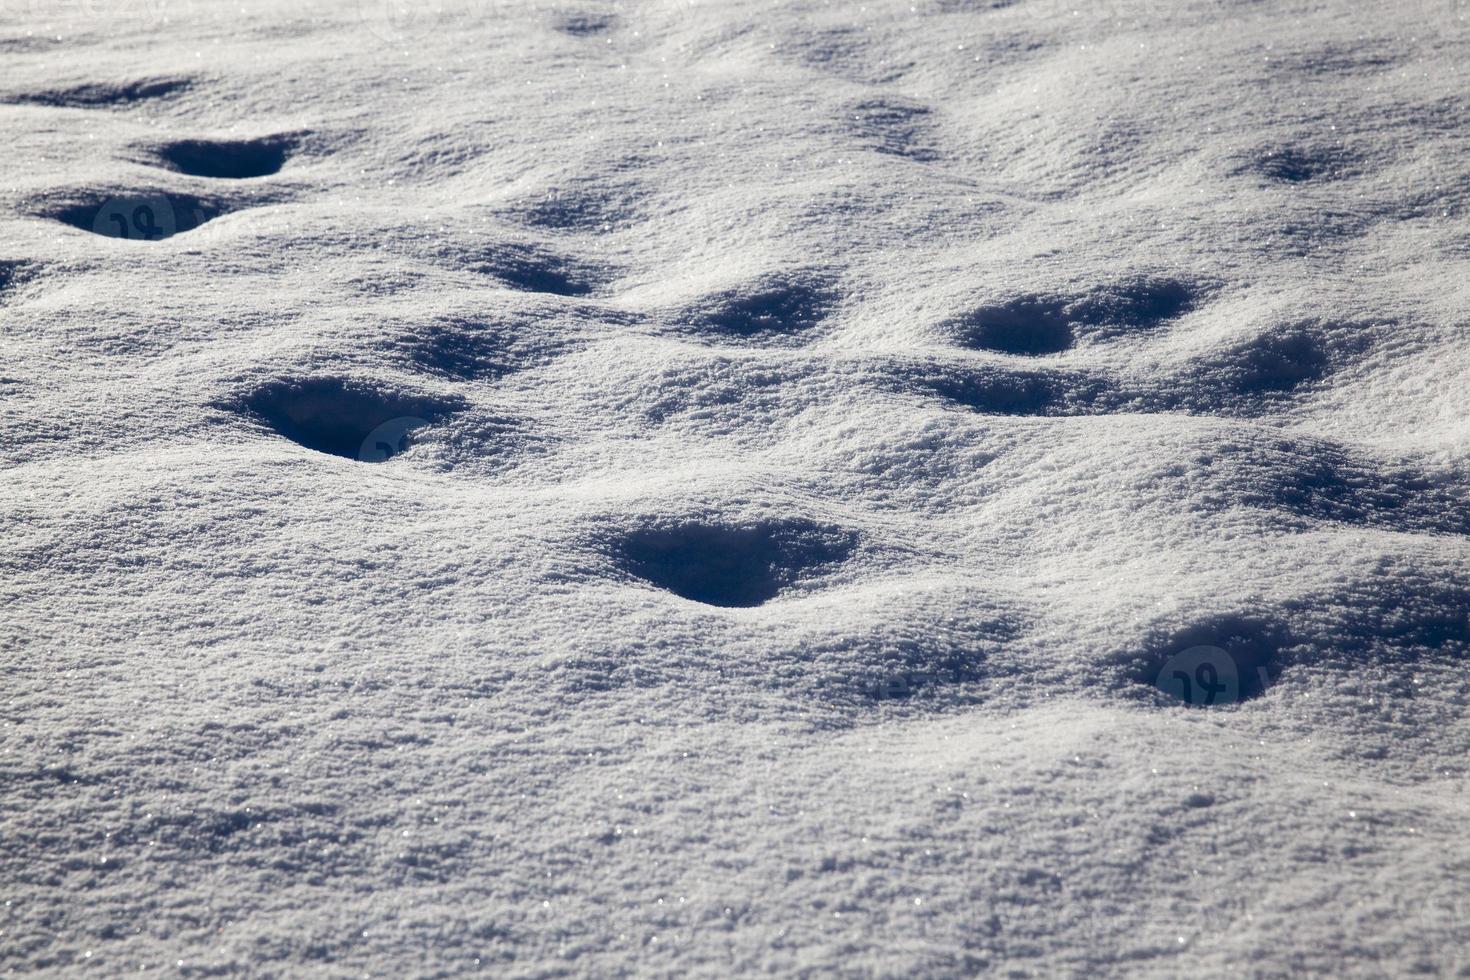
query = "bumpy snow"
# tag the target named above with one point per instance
(716, 487)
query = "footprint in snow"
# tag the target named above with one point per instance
(731, 565)
(143, 215)
(224, 159)
(1036, 325)
(354, 420)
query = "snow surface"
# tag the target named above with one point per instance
(693, 488)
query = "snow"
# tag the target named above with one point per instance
(682, 488)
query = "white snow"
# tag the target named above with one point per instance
(692, 488)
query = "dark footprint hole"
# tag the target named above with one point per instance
(1215, 664)
(771, 307)
(139, 216)
(1033, 325)
(1140, 304)
(27, 44)
(344, 418)
(103, 94)
(1029, 327)
(225, 159)
(1002, 394)
(732, 565)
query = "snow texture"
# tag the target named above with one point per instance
(690, 488)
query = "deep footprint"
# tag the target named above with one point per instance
(1133, 305)
(1035, 325)
(149, 216)
(1215, 664)
(225, 159)
(732, 566)
(350, 419)
(1029, 327)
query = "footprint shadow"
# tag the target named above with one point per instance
(1217, 663)
(1027, 327)
(224, 159)
(585, 205)
(469, 349)
(585, 23)
(846, 52)
(728, 564)
(144, 215)
(1034, 325)
(352, 419)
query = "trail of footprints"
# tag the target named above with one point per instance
(154, 213)
(731, 565)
